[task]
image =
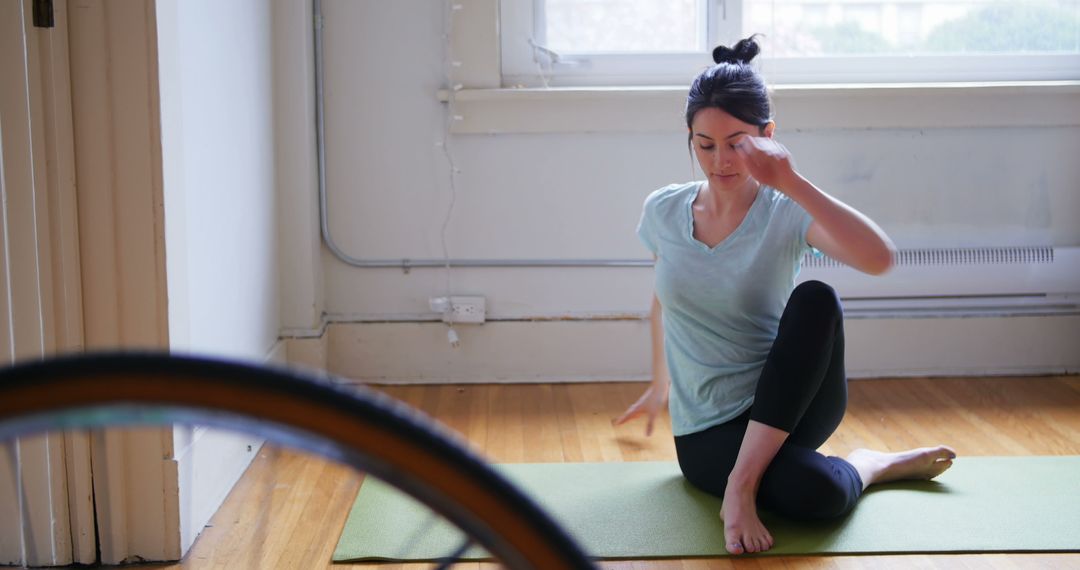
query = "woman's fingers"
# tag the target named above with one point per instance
(768, 161)
(752, 151)
(635, 411)
(759, 149)
(648, 404)
(631, 413)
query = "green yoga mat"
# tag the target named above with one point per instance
(647, 510)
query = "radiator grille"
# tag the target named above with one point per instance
(954, 256)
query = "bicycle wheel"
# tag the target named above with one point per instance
(357, 426)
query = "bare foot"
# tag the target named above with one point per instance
(743, 531)
(922, 463)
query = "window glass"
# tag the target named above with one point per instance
(664, 42)
(624, 26)
(808, 28)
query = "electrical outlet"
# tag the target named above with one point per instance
(466, 310)
(459, 309)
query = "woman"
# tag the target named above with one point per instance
(754, 368)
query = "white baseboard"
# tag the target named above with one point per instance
(278, 353)
(308, 354)
(551, 351)
(580, 351)
(209, 462)
(991, 346)
(208, 468)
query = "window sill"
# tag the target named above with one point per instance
(799, 107)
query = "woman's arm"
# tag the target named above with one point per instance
(661, 381)
(839, 230)
(652, 402)
(844, 233)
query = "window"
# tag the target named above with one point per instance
(637, 26)
(643, 42)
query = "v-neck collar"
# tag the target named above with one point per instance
(727, 239)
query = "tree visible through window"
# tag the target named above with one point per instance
(807, 28)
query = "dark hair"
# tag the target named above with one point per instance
(732, 85)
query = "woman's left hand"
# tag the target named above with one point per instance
(768, 162)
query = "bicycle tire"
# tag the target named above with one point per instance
(355, 425)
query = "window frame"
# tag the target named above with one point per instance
(520, 22)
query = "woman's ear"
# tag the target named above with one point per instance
(769, 129)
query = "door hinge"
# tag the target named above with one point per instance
(43, 14)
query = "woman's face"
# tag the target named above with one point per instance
(714, 134)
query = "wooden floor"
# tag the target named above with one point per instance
(288, 510)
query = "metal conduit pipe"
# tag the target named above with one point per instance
(407, 264)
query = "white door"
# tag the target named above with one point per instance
(46, 504)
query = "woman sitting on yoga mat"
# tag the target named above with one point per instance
(755, 366)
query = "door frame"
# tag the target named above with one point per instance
(49, 475)
(117, 140)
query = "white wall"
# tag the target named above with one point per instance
(218, 145)
(221, 217)
(301, 273)
(578, 195)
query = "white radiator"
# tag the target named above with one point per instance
(1002, 281)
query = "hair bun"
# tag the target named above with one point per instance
(743, 52)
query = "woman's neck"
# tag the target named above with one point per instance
(727, 201)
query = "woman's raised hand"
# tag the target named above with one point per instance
(650, 404)
(768, 161)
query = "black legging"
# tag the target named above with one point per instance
(803, 391)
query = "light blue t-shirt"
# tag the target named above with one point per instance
(721, 305)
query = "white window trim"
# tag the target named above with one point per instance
(804, 107)
(670, 69)
(485, 105)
